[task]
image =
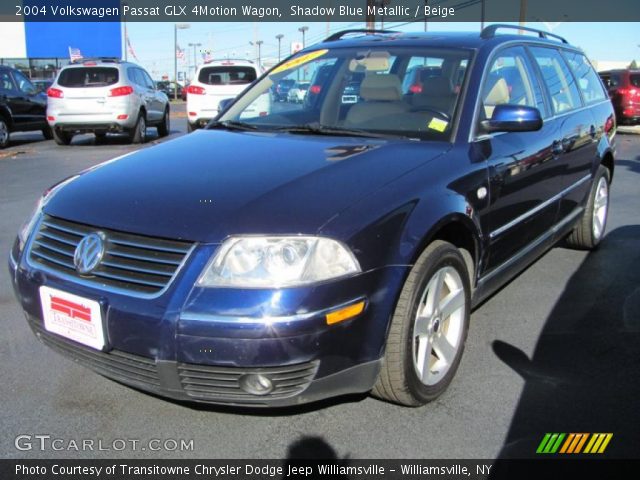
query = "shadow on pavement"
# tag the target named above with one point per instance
(584, 376)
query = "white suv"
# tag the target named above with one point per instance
(215, 81)
(102, 96)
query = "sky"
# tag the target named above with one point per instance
(153, 42)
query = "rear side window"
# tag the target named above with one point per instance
(562, 87)
(227, 75)
(634, 79)
(88, 77)
(588, 79)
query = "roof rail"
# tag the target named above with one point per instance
(97, 59)
(230, 60)
(490, 31)
(339, 35)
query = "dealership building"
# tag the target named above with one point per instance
(39, 49)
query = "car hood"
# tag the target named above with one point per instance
(214, 183)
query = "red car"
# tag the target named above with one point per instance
(624, 89)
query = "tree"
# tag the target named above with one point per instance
(633, 65)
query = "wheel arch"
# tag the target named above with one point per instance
(5, 113)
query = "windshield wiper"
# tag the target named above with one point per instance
(318, 129)
(234, 125)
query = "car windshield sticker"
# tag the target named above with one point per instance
(296, 62)
(438, 125)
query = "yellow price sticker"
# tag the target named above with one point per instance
(438, 124)
(296, 62)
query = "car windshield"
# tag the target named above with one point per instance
(359, 90)
(83, 77)
(227, 75)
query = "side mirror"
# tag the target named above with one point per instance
(224, 103)
(513, 118)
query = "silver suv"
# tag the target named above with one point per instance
(102, 96)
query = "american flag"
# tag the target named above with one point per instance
(130, 48)
(179, 53)
(207, 57)
(75, 54)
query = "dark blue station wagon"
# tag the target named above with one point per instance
(293, 252)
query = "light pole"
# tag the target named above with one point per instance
(279, 37)
(176, 27)
(303, 30)
(259, 44)
(195, 59)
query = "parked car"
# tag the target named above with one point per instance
(169, 88)
(307, 253)
(215, 81)
(624, 89)
(22, 107)
(103, 96)
(298, 93)
(282, 88)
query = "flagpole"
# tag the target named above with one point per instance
(175, 61)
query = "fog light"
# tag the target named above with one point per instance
(256, 384)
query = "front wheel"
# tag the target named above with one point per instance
(191, 127)
(47, 133)
(590, 230)
(428, 329)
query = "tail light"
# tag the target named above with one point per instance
(120, 91)
(415, 88)
(629, 92)
(315, 89)
(195, 90)
(55, 93)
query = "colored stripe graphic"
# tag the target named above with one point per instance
(574, 443)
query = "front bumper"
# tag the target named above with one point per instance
(196, 344)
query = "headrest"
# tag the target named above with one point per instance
(437, 86)
(499, 93)
(385, 87)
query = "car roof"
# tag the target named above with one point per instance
(466, 40)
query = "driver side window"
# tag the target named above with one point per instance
(510, 82)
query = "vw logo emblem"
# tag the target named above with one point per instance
(89, 252)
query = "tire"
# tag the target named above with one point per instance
(191, 127)
(416, 369)
(138, 134)
(4, 133)
(47, 133)
(589, 232)
(60, 137)
(164, 127)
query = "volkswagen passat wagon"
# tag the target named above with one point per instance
(325, 248)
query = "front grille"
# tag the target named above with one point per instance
(133, 263)
(123, 367)
(222, 384)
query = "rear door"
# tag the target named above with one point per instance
(27, 104)
(155, 107)
(576, 137)
(524, 172)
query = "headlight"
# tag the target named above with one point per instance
(271, 262)
(27, 227)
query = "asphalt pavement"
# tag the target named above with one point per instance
(556, 350)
